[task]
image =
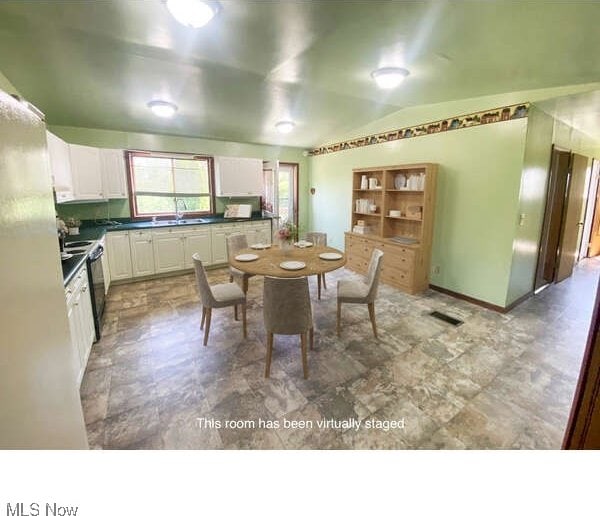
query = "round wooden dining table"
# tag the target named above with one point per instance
(269, 261)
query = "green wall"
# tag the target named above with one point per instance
(6, 85)
(570, 138)
(477, 199)
(154, 142)
(532, 203)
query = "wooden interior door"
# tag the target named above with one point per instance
(573, 220)
(551, 228)
(594, 247)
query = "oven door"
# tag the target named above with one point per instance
(96, 278)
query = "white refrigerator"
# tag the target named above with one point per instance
(39, 396)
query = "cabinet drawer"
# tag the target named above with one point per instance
(357, 264)
(404, 261)
(396, 276)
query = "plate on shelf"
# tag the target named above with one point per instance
(260, 246)
(246, 257)
(303, 243)
(292, 266)
(330, 256)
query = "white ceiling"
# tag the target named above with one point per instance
(97, 63)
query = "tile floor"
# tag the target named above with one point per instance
(497, 381)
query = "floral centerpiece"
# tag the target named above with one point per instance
(287, 234)
(73, 224)
(62, 230)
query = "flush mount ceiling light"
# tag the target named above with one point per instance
(389, 77)
(162, 108)
(285, 126)
(192, 13)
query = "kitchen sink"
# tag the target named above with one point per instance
(185, 221)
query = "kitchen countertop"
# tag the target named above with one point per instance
(71, 266)
(200, 221)
(92, 231)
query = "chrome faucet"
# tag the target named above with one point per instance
(179, 214)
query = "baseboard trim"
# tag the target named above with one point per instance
(478, 302)
(182, 272)
(518, 301)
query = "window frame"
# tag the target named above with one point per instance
(134, 215)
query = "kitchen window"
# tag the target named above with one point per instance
(167, 185)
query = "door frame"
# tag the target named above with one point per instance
(592, 205)
(569, 203)
(540, 281)
(295, 174)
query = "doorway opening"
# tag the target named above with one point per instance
(567, 215)
(280, 197)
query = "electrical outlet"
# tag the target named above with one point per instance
(436, 269)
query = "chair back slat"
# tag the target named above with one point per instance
(204, 290)
(286, 305)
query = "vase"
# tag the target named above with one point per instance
(285, 246)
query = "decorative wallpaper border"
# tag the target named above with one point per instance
(489, 116)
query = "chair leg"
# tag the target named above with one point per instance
(203, 317)
(244, 325)
(207, 328)
(324, 283)
(235, 312)
(304, 355)
(269, 354)
(372, 317)
(231, 278)
(318, 286)
(311, 335)
(339, 316)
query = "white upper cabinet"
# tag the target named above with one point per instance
(238, 177)
(112, 165)
(60, 168)
(87, 177)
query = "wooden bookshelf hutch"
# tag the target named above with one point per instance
(401, 210)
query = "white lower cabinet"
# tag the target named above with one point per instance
(168, 248)
(142, 252)
(145, 252)
(197, 242)
(119, 255)
(219, 236)
(257, 232)
(81, 319)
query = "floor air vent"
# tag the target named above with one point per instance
(446, 318)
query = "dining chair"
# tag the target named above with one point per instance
(318, 239)
(235, 243)
(287, 311)
(362, 291)
(217, 296)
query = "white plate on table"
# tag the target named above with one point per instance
(260, 246)
(303, 243)
(292, 266)
(330, 256)
(246, 257)
(65, 256)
